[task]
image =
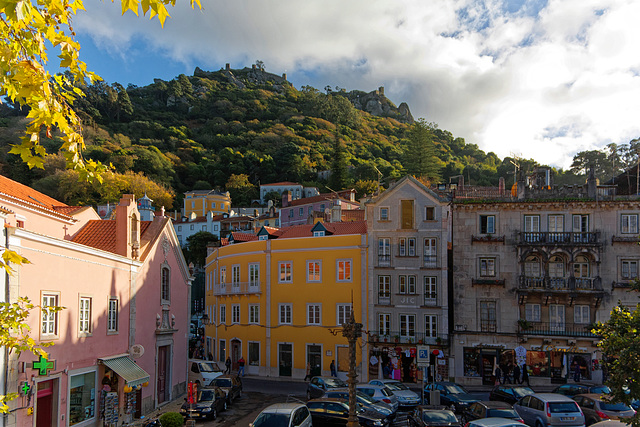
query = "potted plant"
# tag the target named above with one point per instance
(438, 341)
(396, 338)
(524, 324)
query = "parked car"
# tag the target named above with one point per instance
(319, 385)
(452, 395)
(283, 415)
(202, 372)
(510, 393)
(379, 393)
(364, 400)
(610, 423)
(425, 417)
(406, 397)
(489, 409)
(595, 409)
(209, 402)
(544, 409)
(330, 412)
(231, 385)
(573, 389)
(495, 422)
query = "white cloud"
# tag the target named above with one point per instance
(543, 78)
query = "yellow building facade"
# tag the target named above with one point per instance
(279, 302)
(200, 202)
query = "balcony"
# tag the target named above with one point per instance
(555, 329)
(384, 260)
(384, 299)
(430, 261)
(416, 338)
(561, 283)
(238, 288)
(542, 238)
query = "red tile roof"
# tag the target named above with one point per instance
(68, 210)
(353, 215)
(320, 198)
(335, 228)
(239, 236)
(27, 195)
(101, 234)
(279, 184)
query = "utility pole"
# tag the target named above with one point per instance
(352, 331)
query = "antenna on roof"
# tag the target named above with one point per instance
(515, 162)
(379, 175)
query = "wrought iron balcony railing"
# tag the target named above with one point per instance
(238, 288)
(561, 283)
(559, 238)
(415, 338)
(556, 329)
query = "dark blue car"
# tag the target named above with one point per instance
(452, 395)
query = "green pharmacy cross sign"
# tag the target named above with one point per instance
(44, 365)
(25, 388)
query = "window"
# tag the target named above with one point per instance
(429, 213)
(223, 314)
(300, 211)
(629, 224)
(285, 313)
(49, 325)
(384, 214)
(254, 275)
(254, 313)
(411, 242)
(582, 314)
(629, 269)
(406, 214)
(223, 277)
(580, 223)
(285, 272)
(532, 228)
(430, 290)
(532, 312)
(84, 316)
(223, 350)
(314, 314)
(581, 267)
(384, 324)
(407, 325)
(430, 252)
(384, 289)
(556, 223)
(165, 290)
(407, 246)
(487, 267)
(213, 205)
(112, 315)
(488, 316)
(235, 313)
(313, 271)
(82, 396)
(318, 233)
(407, 284)
(204, 228)
(179, 228)
(344, 313)
(215, 227)
(384, 251)
(290, 213)
(431, 326)
(235, 276)
(487, 224)
(532, 266)
(191, 227)
(556, 317)
(344, 270)
(254, 354)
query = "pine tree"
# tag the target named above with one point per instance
(339, 167)
(419, 154)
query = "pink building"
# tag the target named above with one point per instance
(120, 343)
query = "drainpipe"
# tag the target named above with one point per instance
(4, 355)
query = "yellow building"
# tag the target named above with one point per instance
(279, 300)
(202, 201)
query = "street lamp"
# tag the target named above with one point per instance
(352, 331)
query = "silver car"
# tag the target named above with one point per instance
(379, 393)
(406, 397)
(549, 409)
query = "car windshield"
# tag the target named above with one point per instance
(522, 391)
(439, 417)
(502, 413)
(614, 406)
(206, 396)
(335, 383)
(365, 397)
(396, 386)
(386, 391)
(601, 389)
(222, 382)
(560, 407)
(270, 419)
(455, 389)
(208, 367)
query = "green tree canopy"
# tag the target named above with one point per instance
(196, 249)
(419, 154)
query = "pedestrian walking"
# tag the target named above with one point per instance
(227, 364)
(334, 373)
(498, 375)
(386, 370)
(308, 372)
(241, 366)
(525, 374)
(516, 374)
(576, 372)
(506, 372)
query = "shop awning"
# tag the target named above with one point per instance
(133, 374)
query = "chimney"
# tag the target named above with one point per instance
(521, 186)
(127, 227)
(592, 184)
(286, 199)
(501, 186)
(461, 182)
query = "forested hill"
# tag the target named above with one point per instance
(235, 129)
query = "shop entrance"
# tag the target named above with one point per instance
(488, 360)
(314, 359)
(285, 356)
(236, 353)
(45, 406)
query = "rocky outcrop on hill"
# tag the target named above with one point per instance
(377, 104)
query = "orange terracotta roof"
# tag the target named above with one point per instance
(279, 184)
(239, 236)
(319, 198)
(335, 228)
(353, 215)
(224, 241)
(101, 234)
(29, 196)
(67, 210)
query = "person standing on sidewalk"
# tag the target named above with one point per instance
(334, 373)
(241, 367)
(227, 364)
(308, 372)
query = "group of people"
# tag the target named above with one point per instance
(227, 365)
(510, 373)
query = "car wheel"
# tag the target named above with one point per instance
(539, 424)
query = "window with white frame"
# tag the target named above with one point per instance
(556, 317)
(407, 284)
(344, 270)
(314, 314)
(204, 228)
(429, 213)
(582, 314)
(223, 314)
(285, 272)
(430, 252)
(235, 276)
(487, 224)
(431, 325)
(319, 233)
(235, 313)
(407, 325)
(384, 251)
(384, 324)
(314, 269)
(49, 323)
(430, 290)
(223, 275)
(487, 267)
(384, 214)
(285, 313)
(343, 313)
(629, 223)
(84, 316)
(407, 246)
(300, 211)
(254, 275)
(165, 290)
(112, 315)
(629, 269)
(254, 313)
(532, 312)
(384, 289)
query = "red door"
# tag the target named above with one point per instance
(162, 374)
(44, 406)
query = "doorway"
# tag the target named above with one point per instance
(162, 390)
(45, 406)
(236, 353)
(285, 356)
(488, 359)
(314, 359)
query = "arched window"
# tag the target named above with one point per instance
(134, 229)
(532, 266)
(581, 267)
(556, 272)
(165, 290)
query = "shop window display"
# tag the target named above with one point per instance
(82, 397)
(538, 363)
(471, 362)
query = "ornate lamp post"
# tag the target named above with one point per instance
(352, 331)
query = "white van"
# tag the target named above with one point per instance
(202, 372)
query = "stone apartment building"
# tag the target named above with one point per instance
(534, 268)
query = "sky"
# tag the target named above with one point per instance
(540, 79)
